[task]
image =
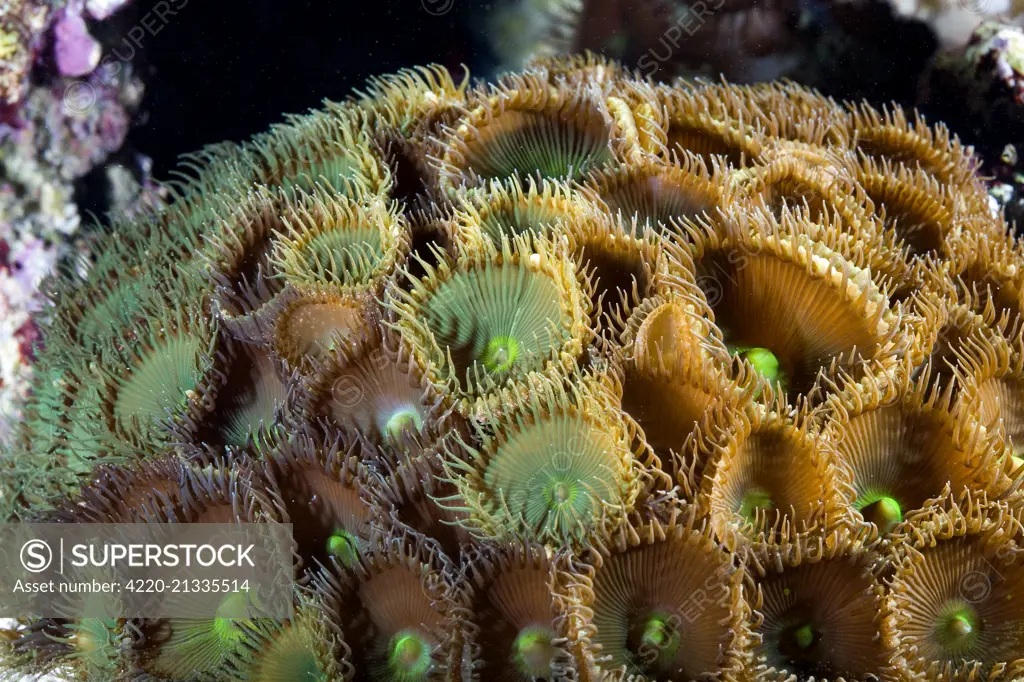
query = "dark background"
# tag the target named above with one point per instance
(227, 69)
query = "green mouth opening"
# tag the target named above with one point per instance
(227, 624)
(799, 640)
(500, 354)
(958, 629)
(408, 656)
(803, 636)
(343, 547)
(754, 502)
(403, 421)
(880, 509)
(533, 651)
(657, 639)
(763, 360)
(561, 493)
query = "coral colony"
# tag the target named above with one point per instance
(573, 376)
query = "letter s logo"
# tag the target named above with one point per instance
(36, 556)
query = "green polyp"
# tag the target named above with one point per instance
(226, 624)
(753, 501)
(95, 641)
(402, 421)
(533, 651)
(289, 656)
(961, 626)
(500, 354)
(658, 632)
(561, 493)
(334, 170)
(654, 632)
(226, 630)
(343, 546)
(657, 639)
(765, 362)
(408, 655)
(883, 511)
(958, 629)
(803, 636)
(161, 379)
(799, 640)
